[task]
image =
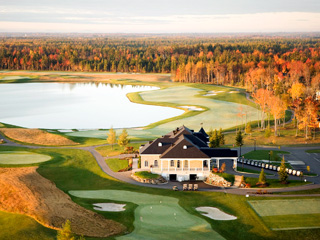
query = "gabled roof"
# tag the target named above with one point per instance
(184, 148)
(184, 143)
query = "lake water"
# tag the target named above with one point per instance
(77, 105)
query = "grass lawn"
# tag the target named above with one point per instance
(72, 169)
(146, 175)
(287, 138)
(116, 164)
(264, 155)
(313, 151)
(274, 183)
(227, 176)
(288, 214)
(116, 150)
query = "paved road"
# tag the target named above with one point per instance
(125, 176)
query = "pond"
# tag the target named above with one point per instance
(77, 106)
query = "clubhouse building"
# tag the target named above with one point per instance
(183, 155)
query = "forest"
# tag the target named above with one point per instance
(281, 72)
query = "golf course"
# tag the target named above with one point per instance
(67, 159)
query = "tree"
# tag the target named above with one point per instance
(214, 139)
(65, 233)
(267, 132)
(277, 110)
(221, 138)
(112, 137)
(223, 167)
(248, 128)
(239, 140)
(262, 177)
(123, 139)
(283, 175)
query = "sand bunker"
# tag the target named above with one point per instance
(215, 213)
(192, 108)
(212, 93)
(109, 207)
(36, 136)
(22, 157)
(234, 92)
(24, 191)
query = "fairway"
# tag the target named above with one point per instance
(221, 114)
(156, 217)
(288, 214)
(21, 157)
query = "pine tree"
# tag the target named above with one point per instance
(112, 137)
(262, 177)
(283, 175)
(239, 138)
(123, 138)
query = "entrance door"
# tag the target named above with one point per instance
(193, 177)
(173, 177)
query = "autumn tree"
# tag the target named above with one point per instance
(112, 137)
(277, 110)
(123, 139)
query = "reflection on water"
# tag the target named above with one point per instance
(77, 105)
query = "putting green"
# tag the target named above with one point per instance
(20, 157)
(156, 217)
(289, 214)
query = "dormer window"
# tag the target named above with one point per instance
(160, 144)
(185, 147)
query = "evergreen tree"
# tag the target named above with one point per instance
(239, 139)
(123, 138)
(283, 175)
(262, 177)
(112, 137)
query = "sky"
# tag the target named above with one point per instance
(161, 16)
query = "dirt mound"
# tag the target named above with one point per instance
(36, 136)
(23, 190)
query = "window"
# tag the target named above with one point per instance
(185, 163)
(146, 163)
(155, 163)
(172, 163)
(178, 164)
